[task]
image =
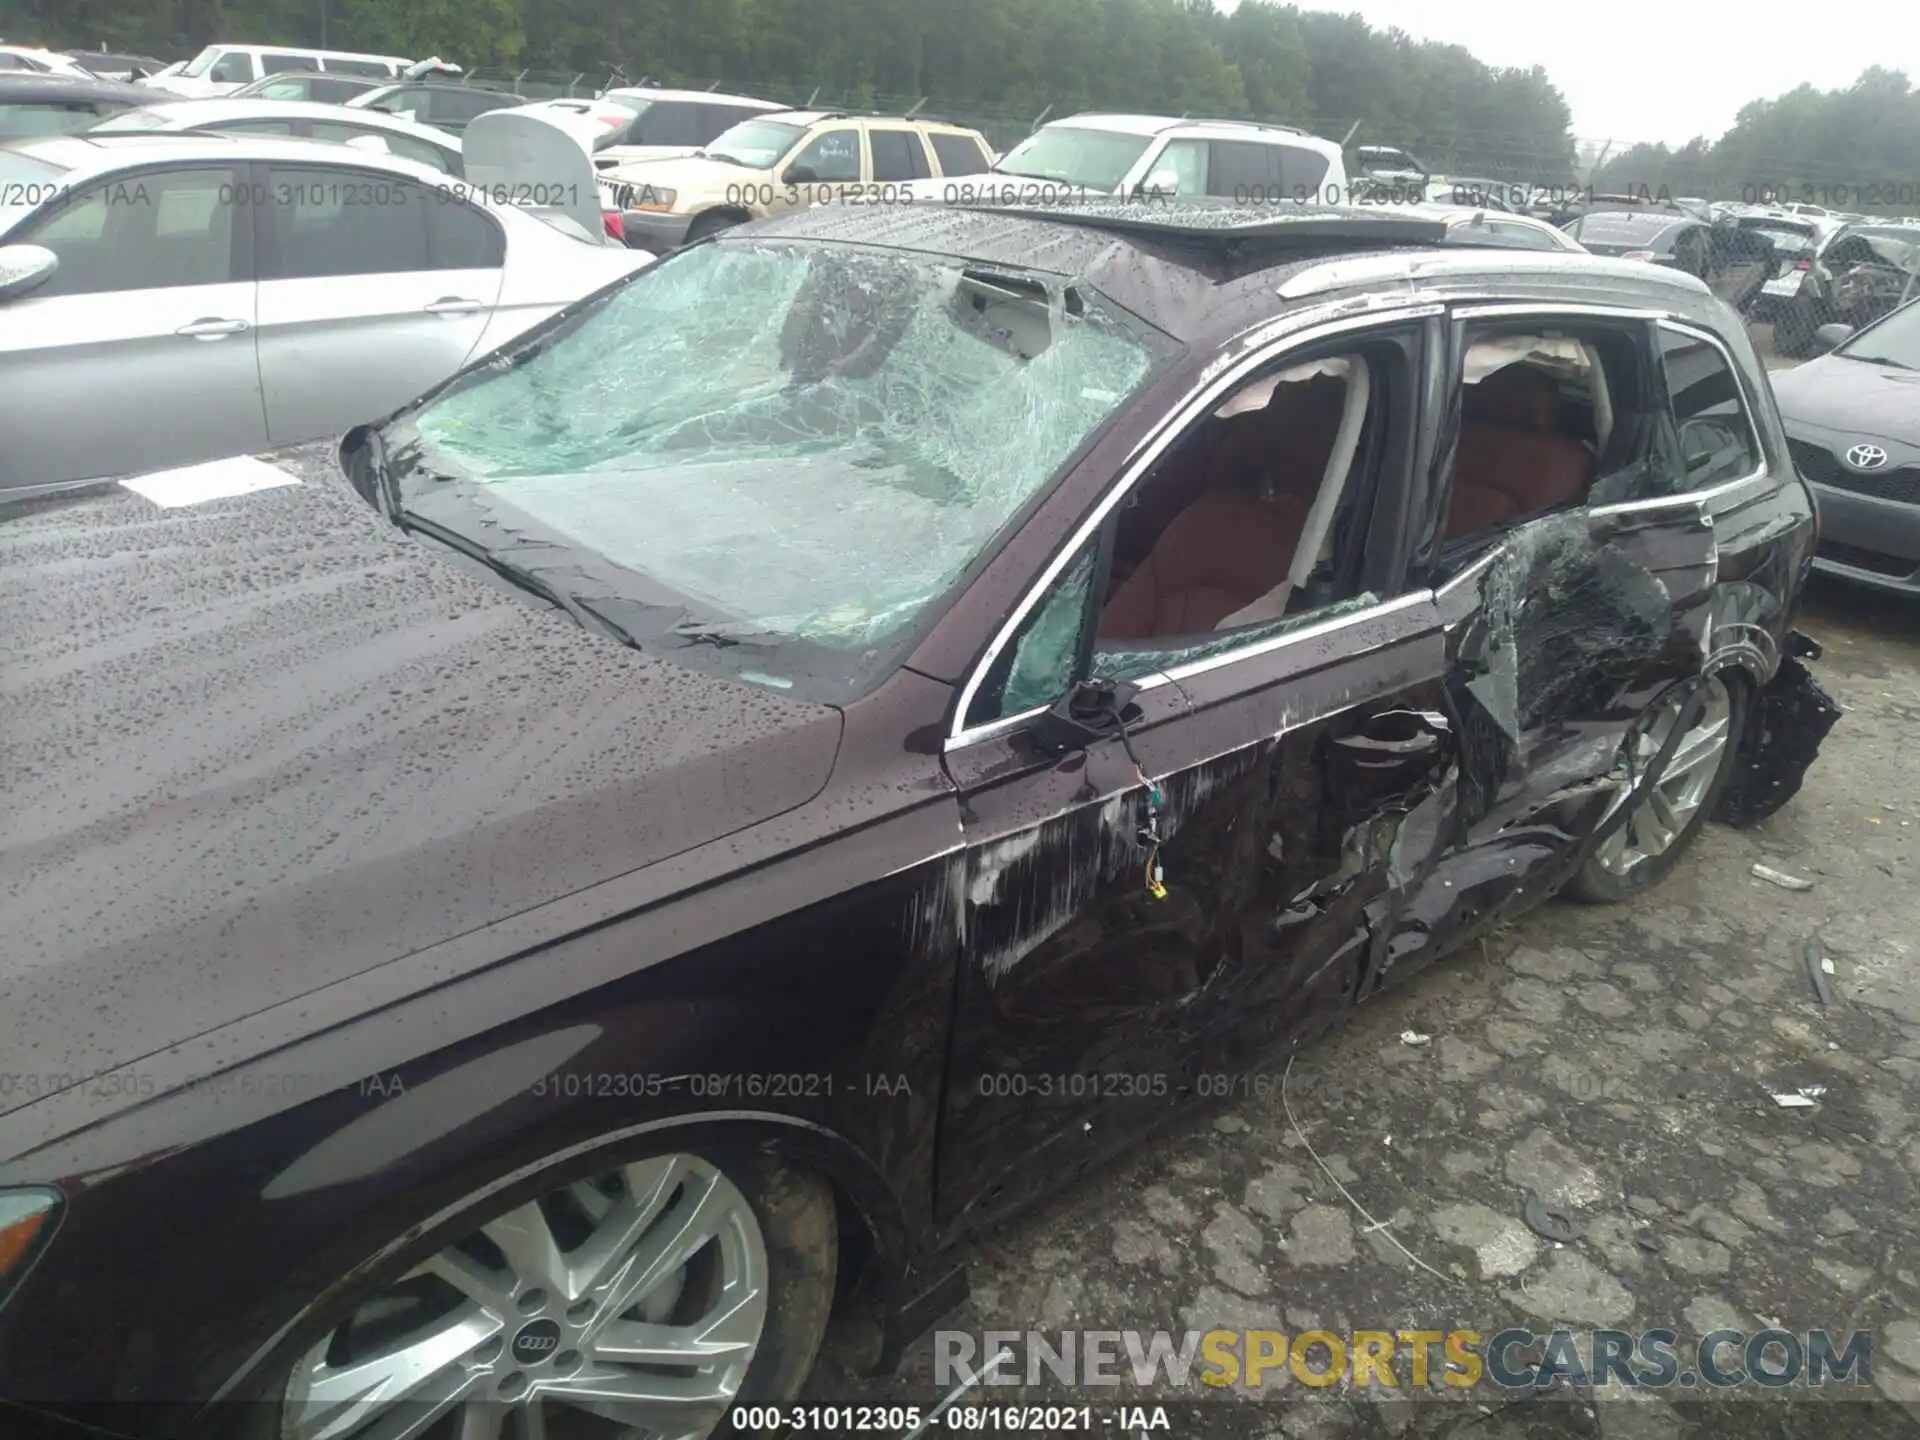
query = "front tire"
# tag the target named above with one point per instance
(1664, 823)
(712, 223)
(648, 1296)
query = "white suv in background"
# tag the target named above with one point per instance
(1085, 155)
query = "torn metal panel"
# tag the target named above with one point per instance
(1564, 624)
(1785, 726)
(1555, 643)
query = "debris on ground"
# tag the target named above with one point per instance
(1414, 1037)
(1819, 968)
(1552, 1222)
(1805, 1098)
(1780, 878)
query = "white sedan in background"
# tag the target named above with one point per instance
(42, 62)
(168, 299)
(295, 119)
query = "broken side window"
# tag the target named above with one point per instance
(1716, 435)
(1551, 415)
(1236, 534)
(1039, 666)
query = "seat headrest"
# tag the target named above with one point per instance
(1516, 397)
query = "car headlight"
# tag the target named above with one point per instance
(646, 197)
(26, 1220)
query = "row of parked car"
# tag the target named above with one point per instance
(630, 172)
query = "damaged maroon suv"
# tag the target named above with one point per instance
(803, 753)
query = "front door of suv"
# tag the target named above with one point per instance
(1148, 911)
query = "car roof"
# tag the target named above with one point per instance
(805, 118)
(22, 85)
(464, 87)
(649, 92)
(251, 48)
(1456, 215)
(189, 113)
(1204, 271)
(88, 156)
(1219, 129)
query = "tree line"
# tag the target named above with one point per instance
(1002, 65)
(965, 58)
(1853, 149)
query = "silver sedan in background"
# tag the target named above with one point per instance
(293, 119)
(171, 299)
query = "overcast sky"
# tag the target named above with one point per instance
(1663, 69)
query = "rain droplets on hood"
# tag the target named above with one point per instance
(814, 441)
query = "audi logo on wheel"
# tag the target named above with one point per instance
(1866, 457)
(536, 1341)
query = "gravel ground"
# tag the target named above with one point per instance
(1618, 1061)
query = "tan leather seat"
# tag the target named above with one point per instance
(1509, 462)
(1231, 545)
(1222, 552)
(1504, 475)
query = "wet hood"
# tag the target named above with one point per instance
(264, 744)
(1852, 397)
(691, 174)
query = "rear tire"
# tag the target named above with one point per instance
(1645, 850)
(756, 1293)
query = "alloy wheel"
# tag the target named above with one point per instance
(627, 1305)
(1671, 802)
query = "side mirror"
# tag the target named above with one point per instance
(1092, 710)
(24, 268)
(1829, 337)
(1161, 183)
(801, 175)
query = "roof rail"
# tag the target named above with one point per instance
(1250, 124)
(906, 117)
(1197, 120)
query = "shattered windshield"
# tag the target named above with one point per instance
(1097, 159)
(780, 455)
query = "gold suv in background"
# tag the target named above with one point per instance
(786, 160)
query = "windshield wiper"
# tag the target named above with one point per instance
(580, 610)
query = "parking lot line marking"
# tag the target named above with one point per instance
(214, 480)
